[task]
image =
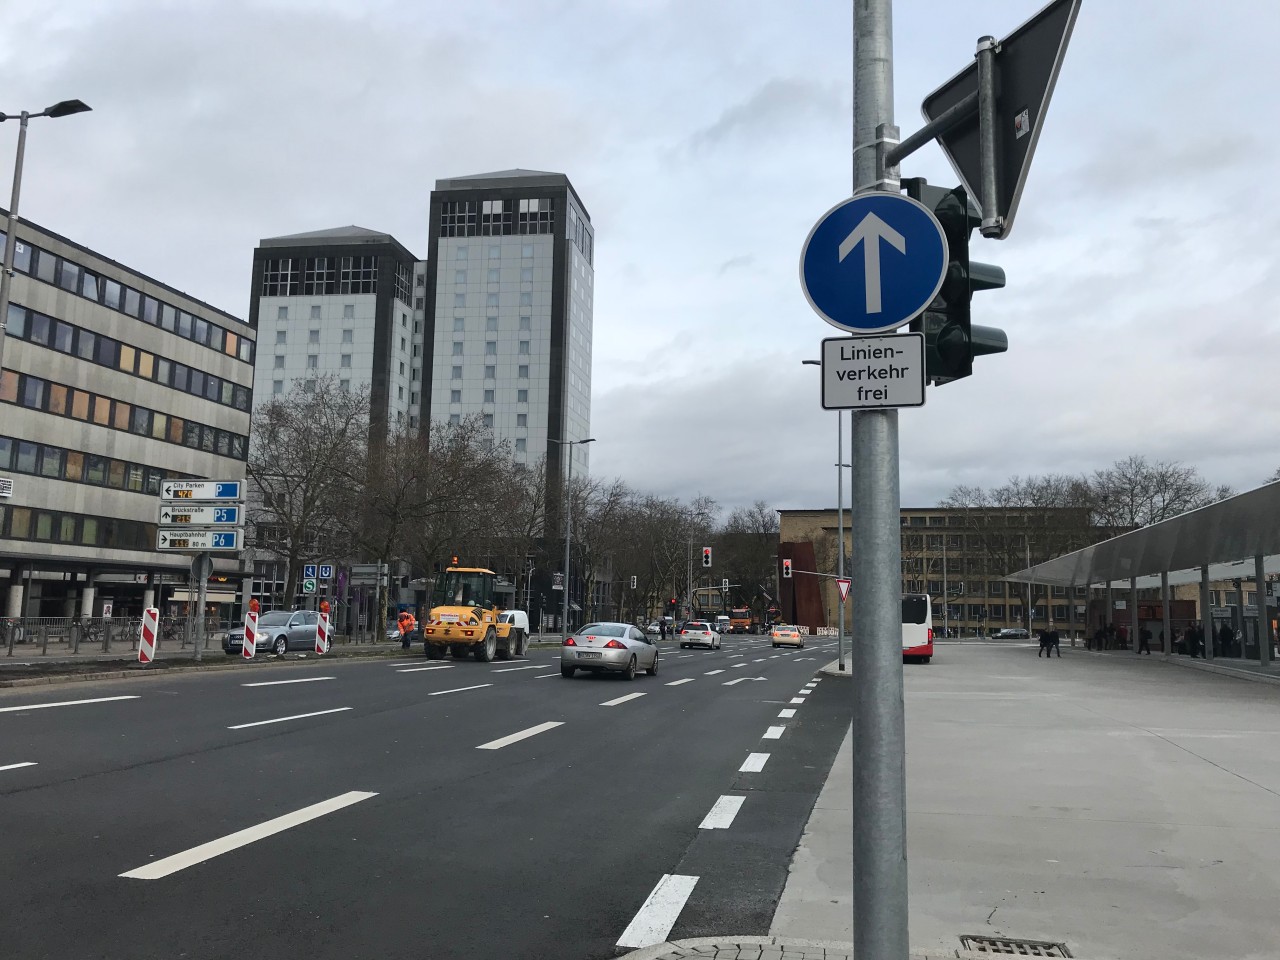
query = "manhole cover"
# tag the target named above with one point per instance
(1010, 947)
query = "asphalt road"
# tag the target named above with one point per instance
(410, 808)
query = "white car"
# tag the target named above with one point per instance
(699, 633)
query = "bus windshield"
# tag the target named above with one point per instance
(463, 588)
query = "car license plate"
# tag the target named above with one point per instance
(582, 655)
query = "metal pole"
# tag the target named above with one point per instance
(568, 537)
(11, 239)
(1206, 612)
(879, 737)
(1164, 612)
(206, 566)
(946, 597)
(986, 54)
(1264, 621)
(1134, 625)
(840, 524)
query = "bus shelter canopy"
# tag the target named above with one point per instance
(1225, 536)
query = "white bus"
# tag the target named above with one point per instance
(917, 627)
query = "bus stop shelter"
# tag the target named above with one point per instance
(1236, 538)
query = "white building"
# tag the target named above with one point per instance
(338, 303)
(509, 288)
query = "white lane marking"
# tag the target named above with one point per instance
(739, 665)
(440, 693)
(276, 683)
(532, 666)
(762, 660)
(720, 817)
(623, 699)
(773, 733)
(797, 699)
(438, 666)
(403, 663)
(64, 703)
(775, 656)
(685, 656)
(15, 766)
(712, 673)
(521, 735)
(543, 676)
(732, 655)
(754, 763)
(676, 683)
(296, 716)
(659, 912)
(786, 714)
(241, 838)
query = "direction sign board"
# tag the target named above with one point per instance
(873, 373)
(201, 490)
(874, 262)
(171, 539)
(1027, 62)
(201, 516)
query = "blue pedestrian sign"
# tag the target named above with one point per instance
(309, 571)
(873, 262)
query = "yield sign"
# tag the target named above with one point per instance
(844, 585)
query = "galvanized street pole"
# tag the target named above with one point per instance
(879, 740)
(840, 527)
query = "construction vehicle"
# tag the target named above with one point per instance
(741, 621)
(469, 616)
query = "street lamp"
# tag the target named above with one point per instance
(62, 108)
(840, 465)
(568, 530)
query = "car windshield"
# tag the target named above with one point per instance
(276, 618)
(604, 630)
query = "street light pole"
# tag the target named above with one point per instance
(840, 467)
(568, 532)
(60, 109)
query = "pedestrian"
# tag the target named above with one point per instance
(407, 625)
(1226, 641)
(1144, 641)
(1043, 637)
(662, 629)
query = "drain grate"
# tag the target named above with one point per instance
(1010, 947)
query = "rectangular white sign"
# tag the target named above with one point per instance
(6, 487)
(201, 490)
(170, 538)
(211, 516)
(873, 373)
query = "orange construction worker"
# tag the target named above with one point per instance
(407, 625)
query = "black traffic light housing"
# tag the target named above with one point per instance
(951, 339)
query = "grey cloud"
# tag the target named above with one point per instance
(775, 108)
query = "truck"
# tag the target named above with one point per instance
(469, 615)
(741, 621)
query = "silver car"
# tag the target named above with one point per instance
(278, 631)
(699, 633)
(609, 648)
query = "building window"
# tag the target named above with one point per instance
(526, 250)
(417, 374)
(526, 299)
(313, 361)
(345, 361)
(399, 393)
(315, 311)
(524, 348)
(348, 336)
(313, 336)
(455, 396)
(456, 373)
(488, 396)
(413, 397)
(277, 387)
(459, 299)
(494, 275)
(491, 349)
(279, 362)
(522, 396)
(522, 419)
(402, 368)
(454, 419)
(491, 372)
(488, 421)
(526, 323)
(459, 324)
(281, 337)
(491, 324)
(457, 348)
(282, 313)
(520, 445)
(495, 252)
(344, 386)
(526, 274)
(348, 311)
(419, 303)
(523, 371)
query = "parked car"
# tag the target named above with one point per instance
(1012, 633)
(786, 635)
(609, 648)
(278, 631)
(699, 633)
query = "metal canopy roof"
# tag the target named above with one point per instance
(1226, 536)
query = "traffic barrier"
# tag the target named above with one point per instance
(147, 630)
(322, 634)
(250, 645)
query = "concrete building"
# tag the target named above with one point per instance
(339, 303)
(113, 383)
(509, 294)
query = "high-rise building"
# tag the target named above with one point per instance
(113, 383)
(339, 303)
(509, 290)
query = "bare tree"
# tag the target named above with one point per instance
(301, 444)
(1135, 493)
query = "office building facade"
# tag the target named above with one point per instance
(509, 295)
(113, 382)
(338, 304)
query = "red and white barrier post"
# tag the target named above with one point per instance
(250, 645)
(147, 635)
(322, 629)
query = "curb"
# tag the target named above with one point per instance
(769, 948)
(1204, 666)
(832, 669)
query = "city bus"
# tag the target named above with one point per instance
(917, 627)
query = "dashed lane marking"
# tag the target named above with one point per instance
(233, 841)
(786, 714)
(659, 912)
(520, 735)
(441, 693)
(276, 683)
(15, 766)
(532, 666)
(438, 666)
(773, 733)
(64, 703)
(712, 673)
(754, 763)
(623, 699)
(720, 817)
(797, 700)
(296, 716)
(676, 683)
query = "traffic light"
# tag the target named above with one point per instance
(706, 556)
(951, 339)
(633, 583)
(786, 569)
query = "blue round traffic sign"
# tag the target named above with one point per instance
(873, 262)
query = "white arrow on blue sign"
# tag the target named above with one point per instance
(873, 262)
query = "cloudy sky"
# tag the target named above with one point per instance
(706, 137)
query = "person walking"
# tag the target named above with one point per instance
(662, 629)
(1144, 641)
